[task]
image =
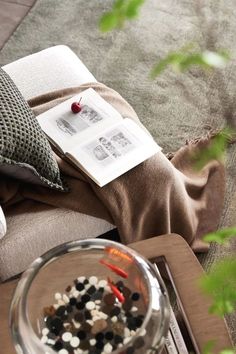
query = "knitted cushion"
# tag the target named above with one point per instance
(24, 150)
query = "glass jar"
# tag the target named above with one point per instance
(103, 293)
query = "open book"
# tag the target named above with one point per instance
(97, 139)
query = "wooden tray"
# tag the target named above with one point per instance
(184, 270)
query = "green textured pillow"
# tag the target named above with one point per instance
(24, 150)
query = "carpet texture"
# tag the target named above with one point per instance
(174, 107)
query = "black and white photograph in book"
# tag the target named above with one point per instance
(71, 124)
(111, 146)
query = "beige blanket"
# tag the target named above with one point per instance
(158, 196)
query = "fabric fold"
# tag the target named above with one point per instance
(156, 197)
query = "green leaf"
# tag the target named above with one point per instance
(173, 59)
(220, 284)
(216, 60)
(183, 60)
(121, 10)
(215, 151)
(208, 347)
(119, 4)
(221, 307)
(221, 236)
(108, 21)
(133, 6)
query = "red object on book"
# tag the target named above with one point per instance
(76, 107)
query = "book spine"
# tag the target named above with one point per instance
(176, 333)
(174, 337)
(170, 344)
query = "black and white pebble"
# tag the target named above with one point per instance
(74, 342)
(79, 317)
(79, 286)
(80, 305)
(91, 290)
(60, 311)
(118, 339)
(81, 335)
(89, 319)
(66, 336)
(135, 296)
(90, 305)
(109, 335)
(115, 311)
(85, 298)
(58, 345)
(108, 348)
(93, 280)
(63, 351)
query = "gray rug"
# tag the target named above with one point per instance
(174, 107)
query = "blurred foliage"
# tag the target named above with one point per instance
(121, 10)
(216, 150)
(208, 349)
(221, 236)
(182, 60)
(220, 284)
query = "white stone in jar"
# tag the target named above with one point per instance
(45, 331)
(102, 283)
(92, 342)
(126, 340)
(74, 342)
(94, 312)
(108, 348)
(126, 332)
(44, 339)
(75, 323)
(75, 293)
(90, 305)
(134, 309)
(103, 315)
(65, 298)
(143, 332)
(81, 279)
(93, 280)
(57, 296)
(61, 302)
(51, 341)
(63, 351)
(66, 337)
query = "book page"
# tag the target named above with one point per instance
(115, 151)
(67, 129)
(111, 146)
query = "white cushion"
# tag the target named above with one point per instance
(3, 225)
(51, 69)
(34, 228)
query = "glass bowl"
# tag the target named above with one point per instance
(90, 297)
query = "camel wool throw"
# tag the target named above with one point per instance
(156, 197)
